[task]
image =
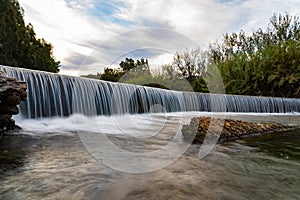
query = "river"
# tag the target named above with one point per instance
(47, 159)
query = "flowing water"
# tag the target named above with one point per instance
(47, 160)
(51, 95)
(61, 153)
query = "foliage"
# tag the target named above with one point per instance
(18, 43)
(160, 81)
(265, 63)
(129, 68)
(191, 65)
(92, 76)
(112, 75)
(136, 68)
(127, 64)
(169, 71)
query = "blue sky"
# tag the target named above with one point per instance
(88, 35)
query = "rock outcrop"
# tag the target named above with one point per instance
(230, 129)
(12, 92)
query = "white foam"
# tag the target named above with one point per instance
(135, 125)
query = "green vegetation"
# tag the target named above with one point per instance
(138, 73)
(130, 67)
(92, 76)
(264, 63)
(19, 46)
(112, 75)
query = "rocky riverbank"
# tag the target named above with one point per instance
(12, 92)
(230, 129)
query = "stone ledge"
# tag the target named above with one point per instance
(230, 129)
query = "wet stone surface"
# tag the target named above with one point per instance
(228, 129)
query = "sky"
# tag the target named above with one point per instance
(89, 35)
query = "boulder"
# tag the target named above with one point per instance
(12, 92)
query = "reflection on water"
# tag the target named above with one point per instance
(57, 166)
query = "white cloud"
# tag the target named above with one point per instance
(68, 27)
(205, 21)
(75, 32)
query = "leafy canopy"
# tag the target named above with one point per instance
(19, 46)
(265, 63)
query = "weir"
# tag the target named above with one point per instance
(52, 95)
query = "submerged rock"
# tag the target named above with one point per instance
(230, 129)
(12, 92)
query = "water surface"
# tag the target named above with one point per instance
(47, 160)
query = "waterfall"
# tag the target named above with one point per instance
(59, 95)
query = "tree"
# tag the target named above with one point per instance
(142, 66)
(169, 71)
(127, 64)
(139, 66)
(265, 63)
(134, 69)
(19, 46)
(112, 75)
(191, 65)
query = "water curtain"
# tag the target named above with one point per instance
(52, 95)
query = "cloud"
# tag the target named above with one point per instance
(106, 31)
(67, 26)
(206, 21)
(138, 43)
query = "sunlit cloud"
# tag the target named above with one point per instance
(95, 33)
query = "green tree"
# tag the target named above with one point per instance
(142, 66)
(19, 46)
(265, 63)
(138, 66)
(112, 75)
(169, 71)
(130, 67)
(134, 69)
(127, 64)
(190, 64)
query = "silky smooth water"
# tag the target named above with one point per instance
(47, 160)
(51, 95)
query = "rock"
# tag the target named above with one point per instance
(2, 80)
(12, 92)
(8, 109)
(5, 116)
(11, 79)
(8, 124)
(2, 73)
(230, 129)
(11, 98)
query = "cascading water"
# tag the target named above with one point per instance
(58, 95)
